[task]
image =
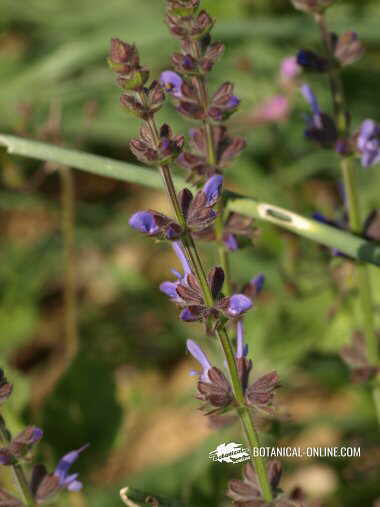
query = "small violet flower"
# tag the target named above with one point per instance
(320, 127)
(309, 96)
(213, 188)
(202, 359)
(144, 222)
(170, 288)
(172, 82)
(231, 242)
(61, 472)
(238, 304)
(368, 143)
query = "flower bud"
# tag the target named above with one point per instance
(348, 48)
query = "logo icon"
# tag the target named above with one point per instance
(230, 453)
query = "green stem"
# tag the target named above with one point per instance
(244, 413)
(18, 472)
(353, 206)
(363, 281)
(192, 253)
(200, 84)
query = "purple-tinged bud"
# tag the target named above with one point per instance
(182, 8)
(144, 221)
(312, 6)
(188, 316)
(368, 143)
(202, 359)
(215, 280)
(172, 82)
(213, 52)
(237, 305)
(213, 189)
(202, 25)
(349, 48)
(123, 57)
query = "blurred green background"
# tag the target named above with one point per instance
(128, 391)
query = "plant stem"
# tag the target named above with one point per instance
(200, 84)
(353, 206)
(192, 253)
(18, 471)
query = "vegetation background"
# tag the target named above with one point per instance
(127, 391)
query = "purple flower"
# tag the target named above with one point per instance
(172, 82)
(241, 347)
(320, 126)
(274, 109)
(233, 102)
(144, 222)
(230, 242)
(61, 472)
(309, 96)
(202, 359)
(188, 316)
(368, 143)
(170, 288)
(238, 304)
(213, 188)
(258, 283)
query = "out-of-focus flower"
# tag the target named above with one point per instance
(309, 60)
(172, 82)
(5, 388)
(253, 288)
(198, 354)
(275, 109)
(289, 70)
(320, 126)
(368, 143)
